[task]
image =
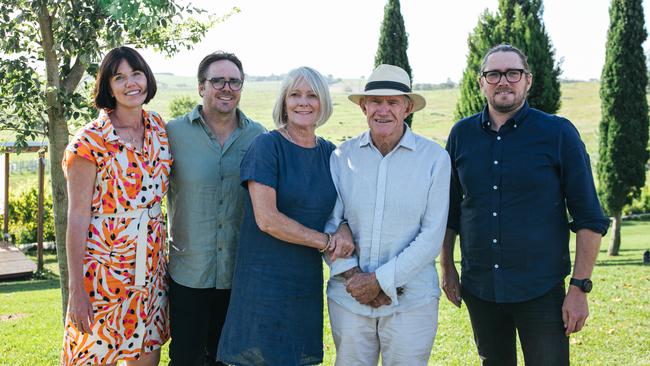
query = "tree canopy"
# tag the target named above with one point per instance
(624, 112)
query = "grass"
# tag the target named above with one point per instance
(616, 332)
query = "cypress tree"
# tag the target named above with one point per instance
(519, 23)
(624, 113)
(393, 42)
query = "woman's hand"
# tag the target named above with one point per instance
(80, 311)
(342, 245)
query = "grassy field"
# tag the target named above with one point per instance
(616, 332)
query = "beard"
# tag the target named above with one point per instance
(507, 106)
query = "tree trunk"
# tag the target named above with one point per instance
(57, 133)
(615, 243)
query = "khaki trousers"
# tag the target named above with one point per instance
(403, 339)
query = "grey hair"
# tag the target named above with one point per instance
(316, 82)
(506, 48)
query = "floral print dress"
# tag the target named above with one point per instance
(130, 314)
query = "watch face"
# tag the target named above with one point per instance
(587, 285)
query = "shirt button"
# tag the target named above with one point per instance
(220, 226)
(498, 137)
(221, 202)
(222, 177)
(515, 126)
(496, 162)
(496, 266)
(220, 249)
(494, 187)
(494, 241)
(494, 213)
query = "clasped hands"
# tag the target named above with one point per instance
(365, 288)
(341, 244)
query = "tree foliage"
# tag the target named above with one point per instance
(519, 23)
(50, 47)
(624, 111)
(393, 41)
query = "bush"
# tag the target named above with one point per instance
(23, 217)
(640, 205)
(180, 106)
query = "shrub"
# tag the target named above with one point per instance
(180, 106)
(23, 217)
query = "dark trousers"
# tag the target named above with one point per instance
(196, 318)
(538, 322)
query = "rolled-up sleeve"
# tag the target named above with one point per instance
(578, 184)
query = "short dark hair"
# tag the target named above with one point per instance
(214, 57)
(504, 47)
(103, 97)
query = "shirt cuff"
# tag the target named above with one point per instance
(341, 265)
(386, 278)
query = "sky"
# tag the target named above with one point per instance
(340, 37)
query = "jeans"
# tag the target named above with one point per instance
(538, 322)
(196, 319)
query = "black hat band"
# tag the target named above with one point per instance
(387, 85)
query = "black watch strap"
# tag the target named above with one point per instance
(585, 285)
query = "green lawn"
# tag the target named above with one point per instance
(616, 332)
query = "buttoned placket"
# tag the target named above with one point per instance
(495, 208)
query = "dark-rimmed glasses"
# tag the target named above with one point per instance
(220, 83)
(512, 75)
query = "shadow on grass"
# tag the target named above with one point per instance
(29, 285)
(622, 262)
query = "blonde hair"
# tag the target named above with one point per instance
(316, 82)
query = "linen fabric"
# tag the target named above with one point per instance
(396, 206)
(275, 316)
(404, 338)
(205, 199)
(127, 318)
(509, 197)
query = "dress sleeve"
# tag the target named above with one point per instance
(260, 163)
(84, 145)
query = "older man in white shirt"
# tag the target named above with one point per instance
(393, 188)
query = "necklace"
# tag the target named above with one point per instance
(127, 135)
(287, 134)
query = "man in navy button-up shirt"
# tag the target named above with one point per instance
(515, 172)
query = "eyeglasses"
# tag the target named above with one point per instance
(512, 75)
(220, 83)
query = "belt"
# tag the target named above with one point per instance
(142, 215)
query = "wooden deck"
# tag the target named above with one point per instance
(13, 263)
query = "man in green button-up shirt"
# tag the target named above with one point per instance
(205, 208)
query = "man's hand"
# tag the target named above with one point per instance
(364, 287)
(451, 284)
(381, 300)
(575, 310)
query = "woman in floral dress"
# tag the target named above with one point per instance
(117, 169)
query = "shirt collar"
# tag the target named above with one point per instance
(108, 130)
(517, 119)
(407, 140)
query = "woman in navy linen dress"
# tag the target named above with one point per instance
(275, 316)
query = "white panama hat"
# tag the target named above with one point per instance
(389, 80)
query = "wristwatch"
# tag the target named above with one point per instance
(585, 285)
